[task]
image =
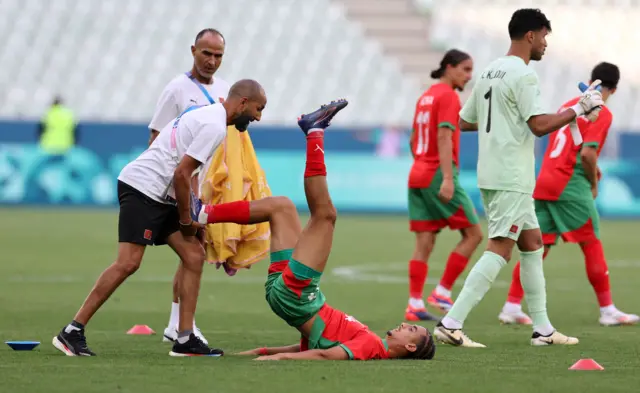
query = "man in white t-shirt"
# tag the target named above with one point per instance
(154, 192)
(194, 88)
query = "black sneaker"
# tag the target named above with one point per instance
(73, 343)
(194, 347)
(321, 118)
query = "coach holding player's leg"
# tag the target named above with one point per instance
(154, 192)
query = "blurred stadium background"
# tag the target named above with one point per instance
(110, 59)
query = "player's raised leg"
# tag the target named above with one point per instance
(314, 245)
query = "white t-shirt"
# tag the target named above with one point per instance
(182, 93)
(198, 135)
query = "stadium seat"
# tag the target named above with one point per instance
(111, 59)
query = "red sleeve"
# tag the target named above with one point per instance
(595, 133)
(448, 112)
(364, 347)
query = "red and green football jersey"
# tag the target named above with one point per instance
(439, 106)
(338, 328)
(562, 176)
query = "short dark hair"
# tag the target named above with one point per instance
(453, 57)
(425, 349)
(208, 30)
(246, 88)
(525, 20)
(608, 73)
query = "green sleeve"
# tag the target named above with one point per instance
(469, 111)
(527, 96)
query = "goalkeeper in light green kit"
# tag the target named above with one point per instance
(504, 107)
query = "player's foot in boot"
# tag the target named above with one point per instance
(618, 318)
(555, 338)
(72, 343)
(442, 303)
(194, 347)
(418, 314)
(321, 118)
(455, 337)
(514, 318)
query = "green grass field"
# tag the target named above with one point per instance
(50, 260)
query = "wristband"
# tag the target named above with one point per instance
(263, 351)
(577, 108)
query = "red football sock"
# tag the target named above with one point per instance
(516, 293)
(417, 277)
(237, 212)
(597, 271)
(454, 268)
(315, 155)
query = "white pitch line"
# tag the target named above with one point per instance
(379, 273)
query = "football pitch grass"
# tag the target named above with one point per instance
(50, 259)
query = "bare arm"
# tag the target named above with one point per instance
(589, 157)
(182, 185)
(466, 126)
(335, 353)
(272, 350)
(412, 138)
(445, 149)
(153, 135)
(542, 125)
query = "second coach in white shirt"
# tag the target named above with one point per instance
(197, 87)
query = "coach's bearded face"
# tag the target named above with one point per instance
(248, 111)
(242, 121)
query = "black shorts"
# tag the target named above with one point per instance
(143, 220)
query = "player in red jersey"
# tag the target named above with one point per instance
(298, 258)
(565, 195)
(436, 198)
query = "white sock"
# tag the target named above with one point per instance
(545, 329)
(512, 308)
(174, 319)
(609, 310)
(451, 323)
(416, 303)
(442, 291)
(183, 337)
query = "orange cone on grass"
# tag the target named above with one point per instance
(143, 330)
(586, 364)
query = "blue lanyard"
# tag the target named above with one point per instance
(202, 89)
(189, 109)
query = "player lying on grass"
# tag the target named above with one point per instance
(565, 205)
(298, 258)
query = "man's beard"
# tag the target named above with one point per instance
(242, 122)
